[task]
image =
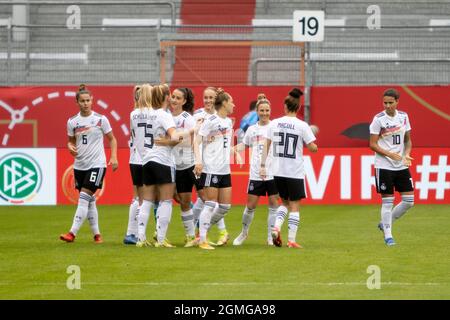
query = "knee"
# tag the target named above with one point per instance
(408, 201)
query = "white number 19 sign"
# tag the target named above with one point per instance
(308, 26)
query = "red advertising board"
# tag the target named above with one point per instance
(333, 176)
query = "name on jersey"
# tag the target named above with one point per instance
(282, 125)
(140, 116)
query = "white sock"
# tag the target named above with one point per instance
(197, 209)
(386, 216)
(271, 221)
(93, 216)
(221, 225)
(293, 223)
(188, 222)
(281, 216)
(132, 217)
(164, 216)
(247, 218)
(144, 214)
(205, 219)
(81, 213)
(406, 204)
(219, 213)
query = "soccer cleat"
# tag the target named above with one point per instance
(68, 237)
(98, 238)
(223, 238)
(276, 237)
(155, 236)
(380, 227)
(389, 242)
(292, 244)
(190, 241)
(270, 242)
(130, 239)
(205, 246)
(144, 243)
(164, 244)
(240, 239)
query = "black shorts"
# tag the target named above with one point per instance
(91, 179)
(290, 189)
(136, 174)
(185, 180)
(262, 188)
(215, 180)
(156, 173)
(387, 181)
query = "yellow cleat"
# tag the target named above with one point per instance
(223, 238)
(190, 241)
(164, 244)
(205, 246)
(145, 243)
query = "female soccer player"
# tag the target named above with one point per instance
(158, 168)
(287, 134)
(255, 138)
(209, 95)
(213, 165)
(138, 121)
(391, 140)
(182, 103)
(85, 131)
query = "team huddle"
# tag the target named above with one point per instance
(174, 149)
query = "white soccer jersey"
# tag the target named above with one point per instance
(183, 152)
(158, 122)
(255, 137)
(288, 134)
(217, 134)
(391, 131)
(89, 132)
(202, 114)
(138, 122)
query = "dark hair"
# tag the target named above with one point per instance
(391, 93)
(252, 105)
(221, 96)
(82, 90)
(188, 106)
(292, 101)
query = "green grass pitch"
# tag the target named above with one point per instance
(340, 243)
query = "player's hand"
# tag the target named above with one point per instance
(72, 149)
(113, 163)
(198, 170)
(239, 159)
(407, 161)
(262, 172)
(395, 156)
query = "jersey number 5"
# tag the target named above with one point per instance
(147, 134)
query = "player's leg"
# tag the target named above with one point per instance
(405, 186)
(249, 211)
(164, 213)
(211, 199)
(148, 198)
(222, 209)
(272, 215)
(185, 180)
(131, 235)
(93, 185)
(385, 186)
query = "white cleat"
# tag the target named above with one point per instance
(240, 239)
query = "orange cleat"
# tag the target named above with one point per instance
(292, 244)
(68, 237)
(98, 238)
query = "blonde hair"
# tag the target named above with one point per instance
(262, 100)
(159, 94)
(221, 97)
(136, 94)
(145, 96)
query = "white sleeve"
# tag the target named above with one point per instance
(205, 128)
(106, 126)
(167, 121)
(408, 124)
(70, 131)
(308, 135)
(190, 123)
(247, 137)
(269, 132)
(375, 127)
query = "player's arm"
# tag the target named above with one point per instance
(72, 145)
(408, 147)
(198, 159)
(265, 153)
(236, 151)
(312, 147)
(113, 144)
(373, 144)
